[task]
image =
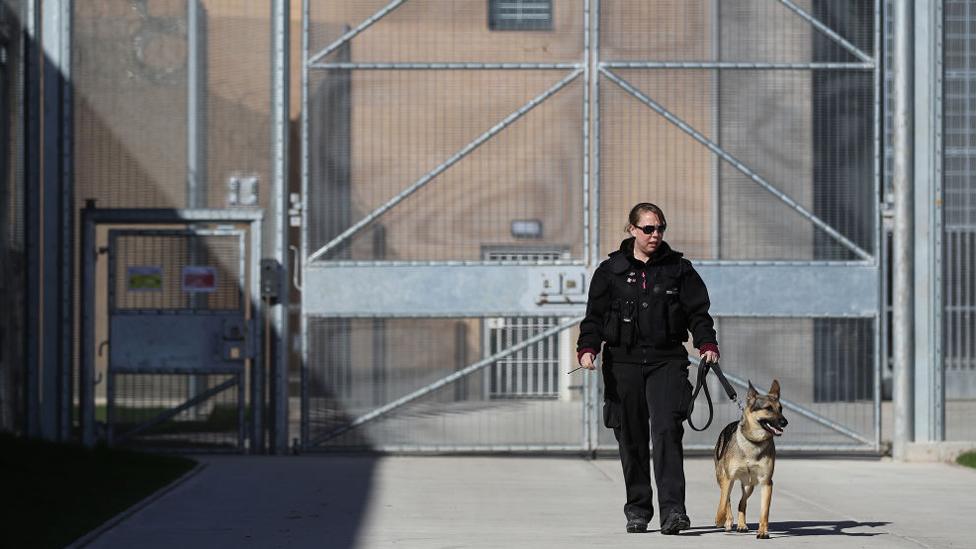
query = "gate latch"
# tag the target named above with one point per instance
(234, 341)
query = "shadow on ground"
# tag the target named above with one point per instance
(798, 528)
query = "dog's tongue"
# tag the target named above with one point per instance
(772, 429)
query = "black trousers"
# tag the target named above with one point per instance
(658, 394)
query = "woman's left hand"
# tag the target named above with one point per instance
(710, 356)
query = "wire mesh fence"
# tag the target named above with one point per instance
(13, 375)
(959, 231)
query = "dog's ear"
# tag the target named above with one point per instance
(774, 390)
(752, 394)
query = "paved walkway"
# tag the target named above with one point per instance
(515, 502)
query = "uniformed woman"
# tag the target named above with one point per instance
(643, 301)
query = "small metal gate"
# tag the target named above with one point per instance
(181, 344)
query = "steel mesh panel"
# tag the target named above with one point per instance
(959, 230)
(645, 158)
(213, 424)
(12, 244)
(742, 31)
(357, 365)
(394, 127)
(807, 133)
(171, 253)
(129, 75)
(130, 94)
(444, 31)
(824, 365)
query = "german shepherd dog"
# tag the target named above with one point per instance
(745, 452)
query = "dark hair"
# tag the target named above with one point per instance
(636, 211)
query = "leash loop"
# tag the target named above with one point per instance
(703, 368)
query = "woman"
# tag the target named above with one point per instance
(643, 300)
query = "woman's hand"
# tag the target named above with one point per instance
(586, 361)
(710, 356)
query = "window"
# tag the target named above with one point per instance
(520, 14)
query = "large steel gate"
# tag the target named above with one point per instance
(434, 135)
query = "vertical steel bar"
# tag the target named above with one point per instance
(109, 374)
(241, 404)
(938, 219)
(86, 381)
(926, 196)
(590, 388)
(258, 372)
(716, 22)
(196, 90)
(32, 147)
(880, 243)
(587, 75)
(67, 220)
(304, 420)
(280, 20)
(594, 62)
(903, 295)
(53, 186)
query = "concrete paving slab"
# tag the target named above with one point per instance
(514, 502)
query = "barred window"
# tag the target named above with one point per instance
(520, 14)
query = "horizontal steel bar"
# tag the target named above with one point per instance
(803, 411)
(764, 290)
(457, 448)
(353, 32)
(827, 31)
(444, 66)
(173, 412)
(734, 65)
(423, 449)
(400, 402)
(168, 215)
(351, 264)
(468, 149)
(685, 127)
(781, 446)
(560, 263)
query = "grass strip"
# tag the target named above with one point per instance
(55, 493)
(968, 459)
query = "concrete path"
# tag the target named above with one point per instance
(515, 502)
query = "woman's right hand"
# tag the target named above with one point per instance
(586, 361)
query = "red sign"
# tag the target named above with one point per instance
(199, 279)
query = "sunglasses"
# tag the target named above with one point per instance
(649, 229)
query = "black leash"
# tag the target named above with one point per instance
(703, 368)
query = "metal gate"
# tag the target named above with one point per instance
(432, 130)
(177, 344)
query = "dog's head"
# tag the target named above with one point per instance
(764, 413)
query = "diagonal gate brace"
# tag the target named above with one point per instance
(400, 402)
(736, 163)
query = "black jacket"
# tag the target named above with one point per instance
(642, 322)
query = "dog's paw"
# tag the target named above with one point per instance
(762, 535)
(742, 528)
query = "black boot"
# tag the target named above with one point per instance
(675, 523)
(636, 525)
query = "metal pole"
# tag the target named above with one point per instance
(196, 95)
(903, 296)
(196, 146)
(280, 19)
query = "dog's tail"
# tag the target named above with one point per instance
(724, 438)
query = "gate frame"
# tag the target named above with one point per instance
(92, 217)
(592, 68)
